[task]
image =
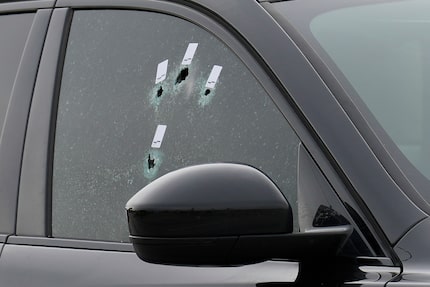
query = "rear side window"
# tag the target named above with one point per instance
(143, 94)
(14, 29)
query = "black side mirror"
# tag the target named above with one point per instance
(220, 214)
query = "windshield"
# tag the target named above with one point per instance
(380, 52)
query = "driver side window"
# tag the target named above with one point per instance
(143, 94)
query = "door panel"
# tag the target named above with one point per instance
(114, 93)
(109, 110)
(48, 266)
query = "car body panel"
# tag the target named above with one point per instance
(33, 215)
(399, 183)
(367, 178)
(3, 239)
(55, 266)
(414, 253)
(25, 6)
(357, 162)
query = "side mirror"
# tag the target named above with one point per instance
(221, 214)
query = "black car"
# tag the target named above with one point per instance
(215, 143)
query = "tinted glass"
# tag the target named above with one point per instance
(143, 94)
(14, 29)
(13, 34)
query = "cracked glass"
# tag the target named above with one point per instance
(143, 94)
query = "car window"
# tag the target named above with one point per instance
(14, 29)
(11, 47)
(143, 94)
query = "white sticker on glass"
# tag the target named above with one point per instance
(161, 71)
(189, 54)
(159, 135)
(213, 77)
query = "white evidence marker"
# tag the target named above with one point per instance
(158, 136)
(189, 53)
(213, 77)
(161, 71)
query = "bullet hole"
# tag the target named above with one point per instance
(207, 92)
(182, 76)
(159, 92)
(151, 162)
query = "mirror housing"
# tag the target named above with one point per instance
(220, 214)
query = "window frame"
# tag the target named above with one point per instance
(362, 163)
(15, 120)
(257, 123)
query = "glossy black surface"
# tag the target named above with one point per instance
(84, 267)
(320, 245)
(209, 200)
(222, 214)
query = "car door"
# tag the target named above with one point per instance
(72, 243)
(127, 92)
